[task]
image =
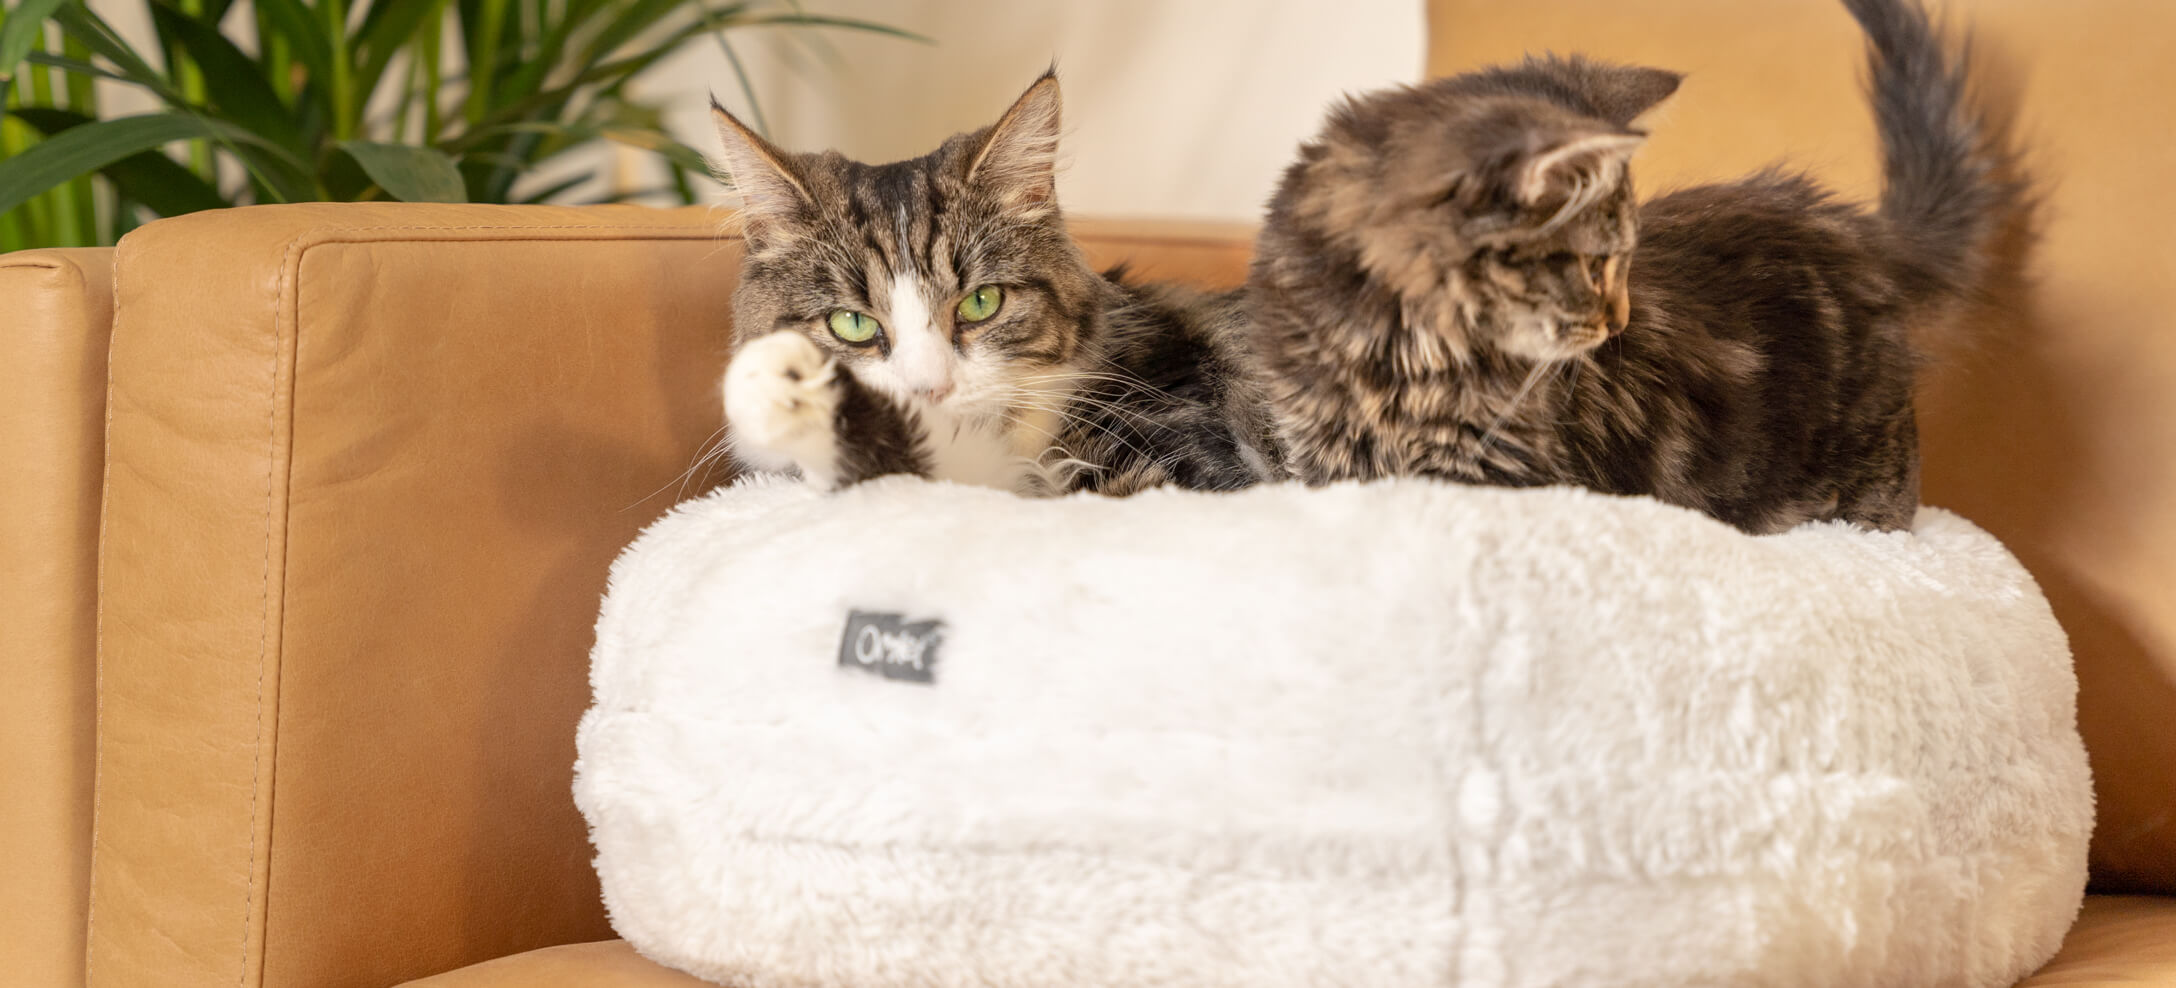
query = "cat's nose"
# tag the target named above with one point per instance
(935, 394)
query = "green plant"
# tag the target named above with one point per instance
(335, 100)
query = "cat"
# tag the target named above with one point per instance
(1445, 286)
(932, 317)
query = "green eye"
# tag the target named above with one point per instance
(982, 303)
(853, 327)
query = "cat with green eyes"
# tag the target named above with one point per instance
(1444, 287)
(932, 317)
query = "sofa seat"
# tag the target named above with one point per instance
(2119, 940)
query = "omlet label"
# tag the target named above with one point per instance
(891, 646)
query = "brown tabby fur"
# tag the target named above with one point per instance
(1446, 287)
(1086, 381)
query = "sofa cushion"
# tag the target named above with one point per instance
(2118, 940)
(53, 329)
(603, 964)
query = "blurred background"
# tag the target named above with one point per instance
(120, 111)
(1173, 108)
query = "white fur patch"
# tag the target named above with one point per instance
(977, 453)
(780, 406)
(921, 357)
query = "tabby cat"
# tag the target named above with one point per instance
(933, 317)
(1446, 287)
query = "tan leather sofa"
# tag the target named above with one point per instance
(307, 510)
(363, 468)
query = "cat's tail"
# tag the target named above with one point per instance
(1950, 184)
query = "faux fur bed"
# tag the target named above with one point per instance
(1394, 735)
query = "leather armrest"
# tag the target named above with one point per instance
(59, 307)
(368, 466)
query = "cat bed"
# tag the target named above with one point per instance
(1400, 734)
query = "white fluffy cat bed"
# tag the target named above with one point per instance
(1394, 735)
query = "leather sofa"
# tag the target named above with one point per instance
(308, 509)
(310, 532)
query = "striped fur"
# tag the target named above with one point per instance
(1446, 287)
(1081, 381)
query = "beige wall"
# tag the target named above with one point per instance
(1174, 108)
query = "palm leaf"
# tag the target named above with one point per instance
(232, 80)
(850, 23)
(639, 16)
(386, 29)
(77, 66)
(88, 28)
(555, 190)
(21, 32)
(484, 24)
(409, 173)
(536, 80)
(607, 76)
(659, 143)
(344, 105)
(93, 146)
(147, 177)
(297, 28)
(747, 88)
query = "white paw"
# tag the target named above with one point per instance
(781, 406)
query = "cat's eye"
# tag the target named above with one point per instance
(853, 327)
(982, 303)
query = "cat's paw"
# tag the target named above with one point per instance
(782, 404)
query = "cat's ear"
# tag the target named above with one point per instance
(1624, 92)
(771, 194)
(1574, 171)
(1018, 157)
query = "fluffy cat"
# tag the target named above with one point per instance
(932, 317)
(1446, 286)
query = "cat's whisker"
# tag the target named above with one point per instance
(1517, 398)
(1097, 401)
(1061, 405)
(1065, 460)
(710, 462)
(1107, 431)
(1113, 376)
(710, 449)
(1106, 405)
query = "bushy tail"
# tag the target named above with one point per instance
(1949, 186)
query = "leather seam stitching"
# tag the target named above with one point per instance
(287, 294)
(98, 647)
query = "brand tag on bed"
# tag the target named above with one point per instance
(891, 646)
